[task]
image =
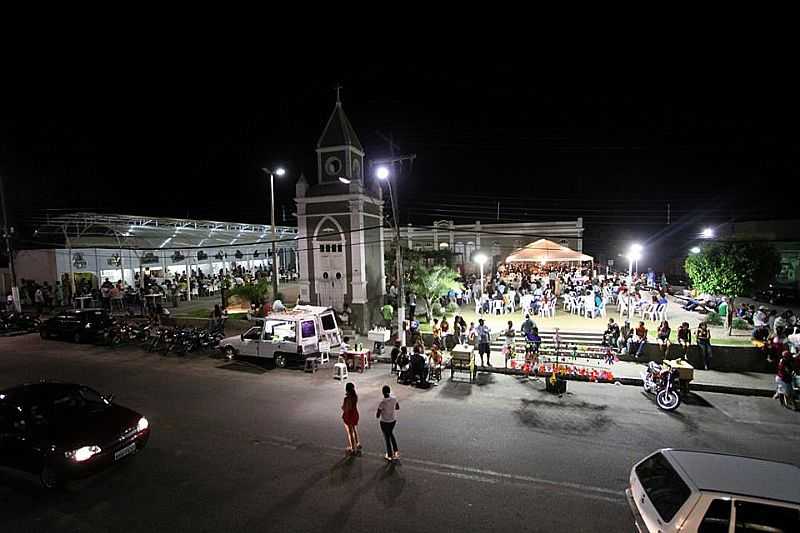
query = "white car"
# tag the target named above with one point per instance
(288, 336)
(688, 491)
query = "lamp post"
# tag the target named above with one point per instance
(383, 174)
(708, 233)
(280, 172)
(634, 254)
(481, 260)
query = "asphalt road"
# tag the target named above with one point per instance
(237, 447)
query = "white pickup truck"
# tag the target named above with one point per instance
(288, 337)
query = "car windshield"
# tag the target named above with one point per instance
(77, 400)
(663, 485)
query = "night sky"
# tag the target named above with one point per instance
(176, 139)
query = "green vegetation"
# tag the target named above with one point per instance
(741, 324)
(436, 310)
(431, 282)
(733, 269)
(713, 319)
(452, 308)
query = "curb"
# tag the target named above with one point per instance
(636, 382)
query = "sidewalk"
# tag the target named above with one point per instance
(629, 373)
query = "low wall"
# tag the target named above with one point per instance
(723, 358)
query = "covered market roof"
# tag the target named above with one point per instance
(86, 230)
(544, 251)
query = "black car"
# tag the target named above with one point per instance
(63, 431)
(777, 295)
(78, 325)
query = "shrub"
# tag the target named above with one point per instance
(436, 309)
(741, 324)
(452, 308)
(713, 319)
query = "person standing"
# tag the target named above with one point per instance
(703, 337)
(510, 346)
(412, 304)
(483, 334)
(684, 339)
(350, 419)
(386, 413)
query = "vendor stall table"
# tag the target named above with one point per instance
(462, 358)
(357, 360)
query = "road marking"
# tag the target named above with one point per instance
(464, 472)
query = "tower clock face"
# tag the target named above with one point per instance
(333, 166)
(356, 168)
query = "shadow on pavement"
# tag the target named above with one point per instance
(390, 486)
(456, 389)
(248, 367)
(484, 378)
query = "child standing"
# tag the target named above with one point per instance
(350, 418)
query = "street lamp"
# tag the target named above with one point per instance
(481, 260)
(695, 250)
(383, 174)
(708, 233)
(634, 254)
(272, 172)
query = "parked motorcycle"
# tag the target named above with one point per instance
(13, 321)
(663, 382)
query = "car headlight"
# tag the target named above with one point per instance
(88, 326)
(83, 454)
(142, 425)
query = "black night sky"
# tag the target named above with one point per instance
(186, 141)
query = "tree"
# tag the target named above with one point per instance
(430, 283)
(733, 269)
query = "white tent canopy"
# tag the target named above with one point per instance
(544, 251)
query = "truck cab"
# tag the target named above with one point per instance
(288, 337)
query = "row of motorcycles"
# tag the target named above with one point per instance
(165, 340)
(13, 322)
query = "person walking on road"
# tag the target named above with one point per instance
(350, 418)
(386, 413)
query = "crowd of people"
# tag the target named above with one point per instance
(129, 298)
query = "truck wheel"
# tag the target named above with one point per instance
(230, 353)
(280, 360)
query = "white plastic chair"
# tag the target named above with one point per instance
(324, 352)
(340, 370)
(652, 312)
(662, 311)
(498, 307)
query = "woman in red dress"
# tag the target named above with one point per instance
(350, 418)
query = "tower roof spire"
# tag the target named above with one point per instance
(338, 131)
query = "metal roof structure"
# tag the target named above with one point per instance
(94, 230)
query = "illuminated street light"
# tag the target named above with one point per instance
(280, 171)
(708, 233)
(481, 260)
(344, 180)
(695, 250)
(382, 173)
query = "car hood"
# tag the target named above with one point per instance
(95, 427)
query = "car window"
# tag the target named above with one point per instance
(717, 518)
(663, 486)
(328, 323)
(308, 328)
(253, 334)
(762, 517)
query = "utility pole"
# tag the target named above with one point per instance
(401, 292)
(7, 234)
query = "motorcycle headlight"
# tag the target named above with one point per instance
(142, 425)
(82, 454)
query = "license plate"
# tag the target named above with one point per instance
(124, 452)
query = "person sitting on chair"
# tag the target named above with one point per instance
(435, 364)
(611, 336)
(418, 366)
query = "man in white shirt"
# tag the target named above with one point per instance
(760, 318)
(386, 413)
